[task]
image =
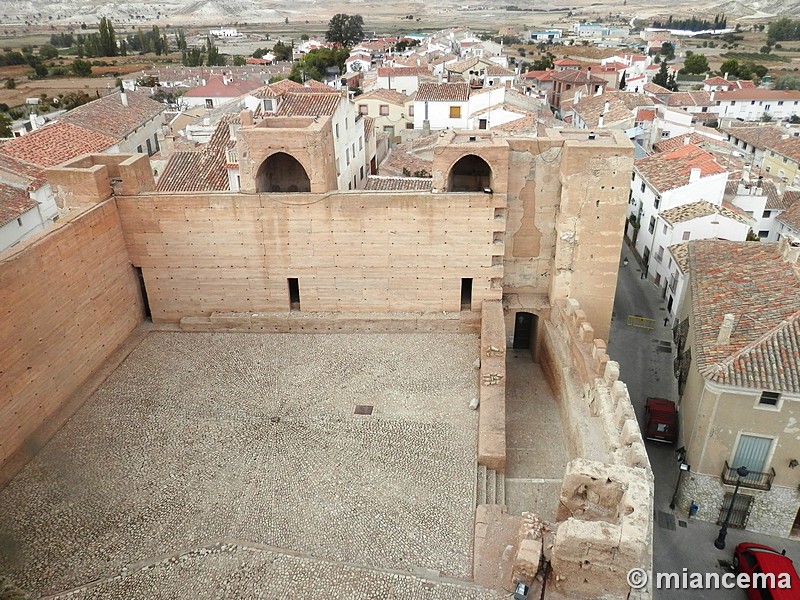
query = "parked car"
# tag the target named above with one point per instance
(661, 420)
(754, 558)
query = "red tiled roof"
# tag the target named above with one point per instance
(443, 92)
(717, 81)
(758, 137)
(701, 208)
(578, 77)
(669, 170)
(538, 75)
(677, 142)
(762, 291)
(654, 88)
(376, 183)
(32, 173)
(789, 148)
(390, 96)
(758, 94)
(689, 99)
(14, 202)
(285, 85)
(791, 216)
(498, 70)
(215, 87)
(200, 171)
(303, 104)
(403, 71)
(108, 115)
(57, 143)
(314, 85)
(566, 62)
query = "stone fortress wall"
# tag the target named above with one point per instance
(543, 237)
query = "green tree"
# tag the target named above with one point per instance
(10, 83)
(345, 30)
(314, 64)
(193, 57)
(731, 67)
(81, 68)
(48, 52)
(5, 125)
(664, 78)
(787, 82)
(107, 38)
(281, 52)
(695, 64)
(213, 58)
(667, 50)
(180, 40)
(304, 37)
(239, 61)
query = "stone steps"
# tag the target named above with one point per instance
(490, 486)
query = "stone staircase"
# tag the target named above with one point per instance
(490, 486)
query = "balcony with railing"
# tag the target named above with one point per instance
(755, 480)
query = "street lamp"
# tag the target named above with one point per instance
(682, 466)
(719, 543)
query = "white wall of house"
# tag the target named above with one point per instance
(397, 116)
(753, 201)
(31, 221)
(359, 65)
(405, 84)
(439, 114)
(648, 204)
(753, 110)
(675, 292)
(348, 140)
(701, 228)
(137, 140)
(493, 118)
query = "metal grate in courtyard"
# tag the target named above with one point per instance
(363, 409)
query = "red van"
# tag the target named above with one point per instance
(661, 420)
(755, 559)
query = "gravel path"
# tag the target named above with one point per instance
(202, 437)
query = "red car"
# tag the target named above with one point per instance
(763, 561)
(661, 420)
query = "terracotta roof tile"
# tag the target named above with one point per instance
(443, 92)
(14, 202)
(203, 170)
(680, 254)
(621, 106)
(111, 117)
(758, 94)
(215, 87)
(57, 143)
(697, 139)
(578, 77)
(404, 72)
(696, 210)
(755, 284)
(32, 173)
(717, 81)
(791, 216)
(377, 183)
(302, 104)
(669, 170)
(758, 137)
(789, 148)
(690, 99)
(391, 96)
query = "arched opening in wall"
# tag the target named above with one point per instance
(526, 332)
(470, 174)
(282, 172)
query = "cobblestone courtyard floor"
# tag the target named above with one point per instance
(232, 465)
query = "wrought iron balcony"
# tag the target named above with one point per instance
(755, 480)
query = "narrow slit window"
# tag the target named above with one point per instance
(466, 293)
(294, 294)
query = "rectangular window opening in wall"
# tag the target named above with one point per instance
(767, 214)
(143, 289)
(455, 112)
(651, 227)
(739, 512)
(764, 233)
(363, 109)
(19, 221)
(383, 110)
(769, 399)
(466, 293)
(294, 293)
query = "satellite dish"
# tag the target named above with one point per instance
(40, 120)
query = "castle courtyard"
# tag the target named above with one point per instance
(237, 462)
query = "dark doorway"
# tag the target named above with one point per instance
(470, 174)
(525, 331)
(466, 293)
(294, 294)
(669, 304)
(796, 526)
(481, 123)
(282, 173)
(143, 289)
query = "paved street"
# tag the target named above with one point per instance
(646, 367)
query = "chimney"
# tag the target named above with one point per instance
(790, 249)
(713, 93)
(600, 122)
(246, 117)
(694, 175)
(725, 330)
(606, 107)
(687, 140)
(34, 124)
(123, 98)
(508, 84)
(167, 145)
(725, 77)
